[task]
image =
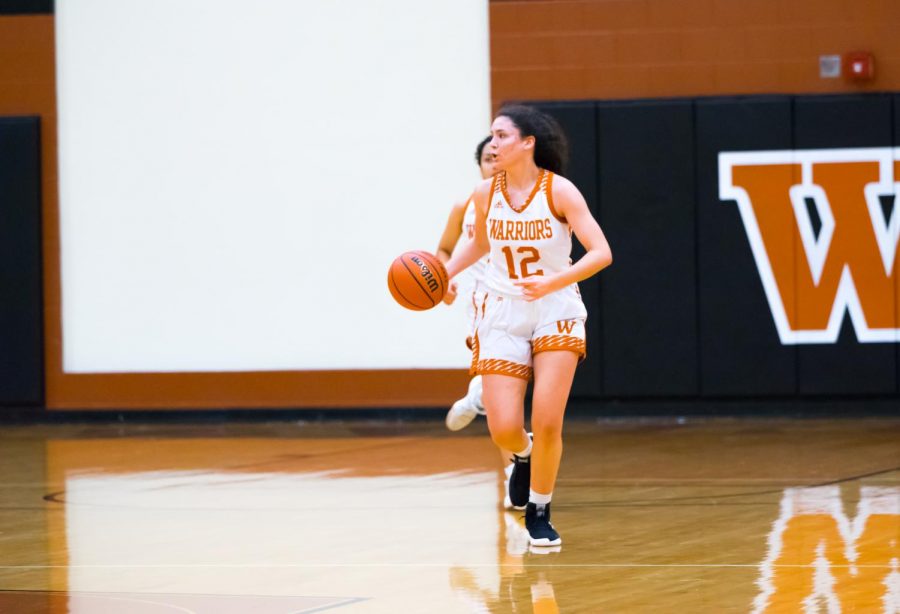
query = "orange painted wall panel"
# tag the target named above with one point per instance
(601, 49)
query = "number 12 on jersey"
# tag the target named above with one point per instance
(529, 254)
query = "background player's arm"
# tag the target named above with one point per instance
(571, 205)
(472, 251)
(452, 231)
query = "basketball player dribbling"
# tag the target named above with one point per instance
(531, 322)
(468, 286)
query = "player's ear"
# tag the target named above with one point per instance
(529, 142)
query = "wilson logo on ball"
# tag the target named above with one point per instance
(426, 274)
(417, 280)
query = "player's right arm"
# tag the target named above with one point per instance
(472, 251)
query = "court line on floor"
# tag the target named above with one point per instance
(716, 497)
(434, 565)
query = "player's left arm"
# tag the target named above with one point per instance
(570, 204)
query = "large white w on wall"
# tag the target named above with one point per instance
(823, 226)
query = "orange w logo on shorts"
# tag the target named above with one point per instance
(565, 326)
(823, 227)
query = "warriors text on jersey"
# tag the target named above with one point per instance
(533, 240)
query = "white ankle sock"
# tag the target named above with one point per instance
(526, 452)
(537, 498)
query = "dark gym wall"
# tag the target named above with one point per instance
(646, 173)
(845, 367)
(21, 312)
(734, 316)
(26, 7)
(28, 195)
(682, 312)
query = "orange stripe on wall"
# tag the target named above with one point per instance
(252, 390)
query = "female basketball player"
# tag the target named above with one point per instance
(459, 230)
(531, 321)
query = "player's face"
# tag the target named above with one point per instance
(487, 162)
(507, 144)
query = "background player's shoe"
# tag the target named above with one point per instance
(540, 531)
(520, 480)
(507, 503)
(464, 410)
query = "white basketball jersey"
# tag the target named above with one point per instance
(533, 240)
(470, 278)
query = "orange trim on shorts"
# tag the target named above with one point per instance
(550, 199)
(559, 343)
(496, 366)
(537, 186)
(473, 369)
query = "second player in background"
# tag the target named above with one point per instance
(468, 286)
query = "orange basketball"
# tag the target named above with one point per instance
(417, 280)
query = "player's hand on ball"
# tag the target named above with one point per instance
(535, 287)
(450, 296)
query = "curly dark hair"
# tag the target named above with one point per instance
(480, 149)
(551, 148)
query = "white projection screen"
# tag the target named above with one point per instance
(236, 177)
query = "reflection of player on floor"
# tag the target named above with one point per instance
(460, 229)
(531, 320)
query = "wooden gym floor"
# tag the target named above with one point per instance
(662, 515)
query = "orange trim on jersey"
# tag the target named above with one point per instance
(496, 366)
(534, 191)
(462, 225)
(550, 199)
(558, 343)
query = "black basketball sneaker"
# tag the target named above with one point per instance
(537, 521)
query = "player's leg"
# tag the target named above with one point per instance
(502, 355)
(553, 375)
(504, 398)
(463, 411)
(558, 345)
(504, 402)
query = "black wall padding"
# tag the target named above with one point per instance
(647, 195)
(23, 7)
(578, 120)
(21, 339)
(741, 354)
(845, 367)
(895, 117)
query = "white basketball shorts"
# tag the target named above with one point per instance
(510, 331)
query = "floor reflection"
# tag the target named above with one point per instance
(337, 522)
(364, 518)
(515, 586)
(821, 560)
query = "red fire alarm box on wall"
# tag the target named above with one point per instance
(859, 66)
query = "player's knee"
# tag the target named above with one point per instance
(506, 434)
(546, 430)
